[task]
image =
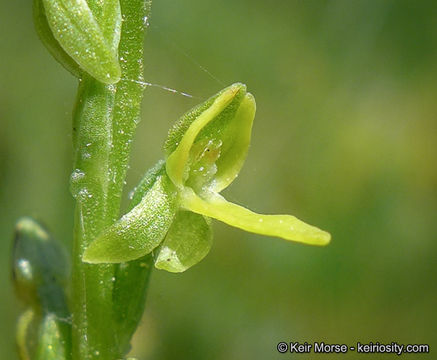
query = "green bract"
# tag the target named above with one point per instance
(45, 34)
(85, 32)
(205, 152)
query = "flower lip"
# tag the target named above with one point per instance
(283, 226)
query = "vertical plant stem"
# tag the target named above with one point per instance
(131, 279)
(104, 124)
(129, 94)
(92, 285)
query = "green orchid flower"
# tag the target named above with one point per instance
(172, 207)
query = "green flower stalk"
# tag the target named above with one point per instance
(205, 152)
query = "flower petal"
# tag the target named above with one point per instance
(284, 226)
(236, 139)
(139, 231)
(177, 161)
(188, 241)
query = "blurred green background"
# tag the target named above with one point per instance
(345, 138)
